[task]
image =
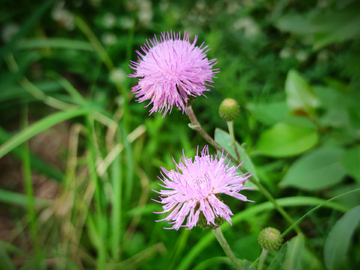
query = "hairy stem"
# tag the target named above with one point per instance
(262, 259)
(223, 243)
(232, 135)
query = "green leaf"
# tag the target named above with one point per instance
(278, 261)
(270, 114)
(284, 140)
(20, 199)
(338, 240)
(351, 162)
(36, 163)
(318, 169)
(295, 250)
(223, 138)
(5, 260)
(56, 43)
(27, 25)
(38, 127)
(299, 94)
(336, 26)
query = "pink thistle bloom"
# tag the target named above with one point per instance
(171, 70)
(196, 189)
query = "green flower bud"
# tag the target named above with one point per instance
(203, 222)
(270, 239)
(229, 109)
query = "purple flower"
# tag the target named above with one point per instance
(171, 70)
(195, 190)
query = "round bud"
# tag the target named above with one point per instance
(229, 109)
(270, 239)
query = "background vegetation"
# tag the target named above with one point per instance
(79, 156)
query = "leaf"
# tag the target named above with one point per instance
(36, 163)
(300, 95)
(278, 261)
(338, 240)
(270, 114)
(15, 198)
(223, 138)
(284, 140)
(38, 127)
(56, 43)
(351, 162)
(336, 26)
(316, 170)
(5, 260)
(298, 24)
(295, 250)
(27, 25)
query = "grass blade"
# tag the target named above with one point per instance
(38, 127)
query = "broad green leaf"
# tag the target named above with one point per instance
(223, 138)
(278, 261)
(318, 169)
(299, 94)
(298, 24)
(351, 162)
(271, 113)
(284, 140)
(295, 250)
(336, 26)
(338, 240)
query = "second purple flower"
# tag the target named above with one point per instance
(171, 70)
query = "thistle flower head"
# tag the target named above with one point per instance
(170, 70)
(193, 189)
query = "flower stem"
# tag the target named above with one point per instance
(223, 243)
(196, 126)
(232, 135)
(262, 259)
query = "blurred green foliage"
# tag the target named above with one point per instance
(293, 66)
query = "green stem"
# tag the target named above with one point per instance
(196, 126)
(223, 243)
(232, 135)
(31, 215)
(262, 259)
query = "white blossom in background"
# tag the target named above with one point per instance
(285, 52)
(62, 16)
(248, 25)
(164, 6)
(127, 23)
(118, 75)
(145, 13)
(301, 56)
(108, 39)
(109, 20)
(9, 31)
(232, 7)
(322, 56)
(200, 4)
